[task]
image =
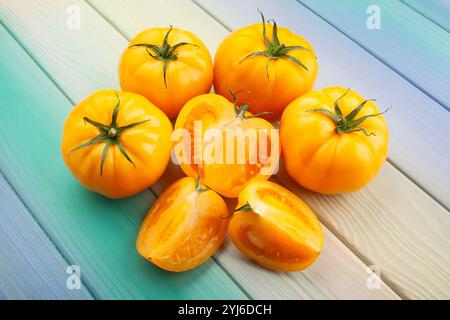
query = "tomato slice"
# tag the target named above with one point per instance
(275, 228)
(184, 227)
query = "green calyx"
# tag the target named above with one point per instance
(109, 135)
(348, 123)
(198, 185)
(164, 52)
(240, 111)
(244, 208)
(275, 49)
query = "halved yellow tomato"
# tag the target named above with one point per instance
(275, 228)
(184, 227)
(229, 144)
(116, 143)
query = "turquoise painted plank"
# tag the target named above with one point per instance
(93, 232)
(437, 11)
(409, 43)
(30, 266)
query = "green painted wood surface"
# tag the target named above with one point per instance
(93, 232)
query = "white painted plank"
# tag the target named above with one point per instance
(30, 266)
(23, 22)
(391, 223)
(419, 128)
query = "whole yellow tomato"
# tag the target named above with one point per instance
(275, 228)
(184, 227)
(273, 70)
(228, 144)
(333, 140)
(116, 143)
(167, 66)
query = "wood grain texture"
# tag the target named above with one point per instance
(418, 126)
(416, 45)
(24, 25)
(96, 233)
(391, 223)
(30, 266)
(437, 11)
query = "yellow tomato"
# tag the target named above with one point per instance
(184, 227)
(333, 140)
(116, 143)
(275, 228)
(274, 70)
(167, 66)
(217, 120)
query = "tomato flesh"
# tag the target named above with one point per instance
(183, 228)
(225, 174)
(279, 232)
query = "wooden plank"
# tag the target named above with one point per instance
(134, 19)
(391, 223)
(413, 147)
(436, 11)
(30, 266)
(40, 19)
(407, 42)
(96, 233)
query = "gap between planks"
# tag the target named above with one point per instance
(376, 56)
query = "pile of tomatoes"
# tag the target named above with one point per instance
(118, 143)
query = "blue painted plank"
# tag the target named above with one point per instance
(407, 42)
(437, 11)
(96, 233)
(30, 266)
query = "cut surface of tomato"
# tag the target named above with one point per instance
(275, 228)
(184, 227)
(230, 145)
